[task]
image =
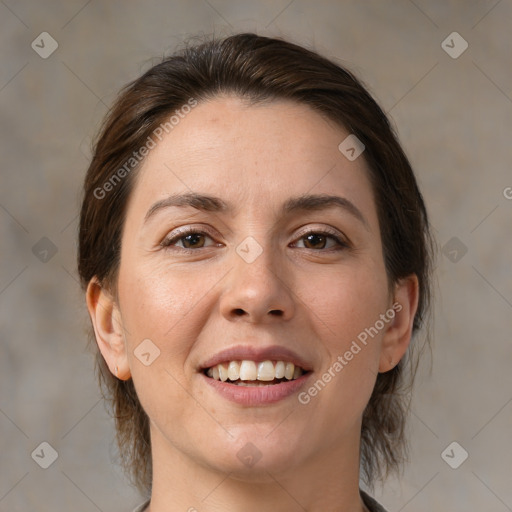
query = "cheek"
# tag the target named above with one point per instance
(346, 313)
(166, 306)
(160, 300)
(344, 303)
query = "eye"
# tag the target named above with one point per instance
(191, 239)
(317, 240)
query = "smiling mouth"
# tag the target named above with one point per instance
(252, 373)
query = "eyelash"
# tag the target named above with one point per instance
(167, 242)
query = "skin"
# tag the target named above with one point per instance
(194, 305)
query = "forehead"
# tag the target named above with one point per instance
(253, 155)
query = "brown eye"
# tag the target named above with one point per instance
(317, 240)
(193, 241)
(190, 240)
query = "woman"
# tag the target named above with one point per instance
(256, 258)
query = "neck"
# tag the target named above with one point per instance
(325, 481)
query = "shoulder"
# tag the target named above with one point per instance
(372, 505)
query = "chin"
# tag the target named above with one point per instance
(254, 455)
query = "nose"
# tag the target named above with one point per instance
(259, 291)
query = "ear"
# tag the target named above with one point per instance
(398, 335)
(108, 328)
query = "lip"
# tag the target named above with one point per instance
(257, 395)
(256, 354)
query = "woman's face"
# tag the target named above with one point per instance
(254, 276)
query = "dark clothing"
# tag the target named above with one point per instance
(372, 505)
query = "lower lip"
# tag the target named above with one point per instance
(257, 395)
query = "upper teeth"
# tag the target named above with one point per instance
(250, 370)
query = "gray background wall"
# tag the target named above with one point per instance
(454, 117)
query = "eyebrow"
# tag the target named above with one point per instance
(305, 202)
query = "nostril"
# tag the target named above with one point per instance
(275, 312)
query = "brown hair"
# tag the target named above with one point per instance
(258, 69)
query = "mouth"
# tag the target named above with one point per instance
(253, 376)
(250, 373)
